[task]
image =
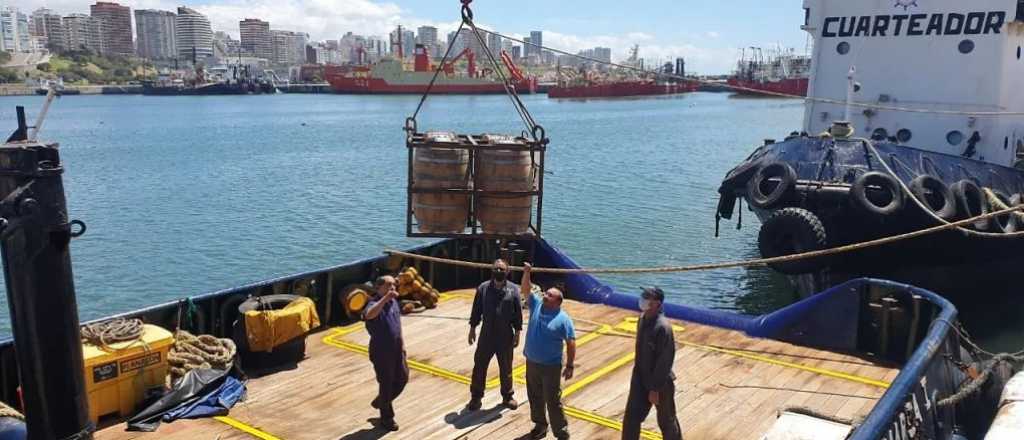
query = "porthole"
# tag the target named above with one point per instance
(880, 134)
(1006, 142)
(1018, 52)
(954, 137)
(843, 48)
(966, 46)
(904, 135)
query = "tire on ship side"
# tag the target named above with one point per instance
(877, 193)
(290, 352)
(971, 202)
(1006, 223)
(935, 195)
(770, 184)
(791, 231)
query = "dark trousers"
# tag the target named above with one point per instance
(638, 406)
(485, 350)
(392, 376)
(544, 389)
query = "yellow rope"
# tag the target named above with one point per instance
(732, 264)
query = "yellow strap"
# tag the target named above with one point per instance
(234, 423)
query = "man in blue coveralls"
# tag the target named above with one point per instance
(549, 327)
(387, 350)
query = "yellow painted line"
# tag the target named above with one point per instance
(593, 377)
(606, 422)
(629, 325)
(234, 423)
(821, 371)
(415, 365)
(519, 372)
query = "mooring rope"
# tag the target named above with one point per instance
(102, 334)
(923, 207)
(7, 411)
(726, 265)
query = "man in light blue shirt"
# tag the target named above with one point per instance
(548, 329)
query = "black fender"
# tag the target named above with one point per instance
(791, 231)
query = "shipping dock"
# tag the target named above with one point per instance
(748, 379)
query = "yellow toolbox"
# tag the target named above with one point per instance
(118, 375)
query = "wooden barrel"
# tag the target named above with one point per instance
(504, 170)
(441, 168)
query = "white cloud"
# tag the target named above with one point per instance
(713, 34)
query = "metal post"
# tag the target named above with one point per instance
(34, 238)
(850, 85)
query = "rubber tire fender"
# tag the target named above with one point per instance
(926, 182)
(1006, 223)
(787, 182)
(859, 193)
(793, 231)
(971, 202)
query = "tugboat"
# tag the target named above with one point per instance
(242, 82)
(914, 121)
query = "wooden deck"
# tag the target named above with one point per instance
(729, 386)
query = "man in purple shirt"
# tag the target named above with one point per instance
(387, 350)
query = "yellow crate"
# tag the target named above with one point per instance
(117, 376)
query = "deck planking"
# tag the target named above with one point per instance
(719, 395)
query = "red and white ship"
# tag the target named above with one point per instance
(779, 72)
(389, 76)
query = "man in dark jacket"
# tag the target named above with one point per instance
(653, 382)
(387, 349)
(497, 307)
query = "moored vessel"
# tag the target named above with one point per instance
(902, 132)
(772, 71)
(389, 76)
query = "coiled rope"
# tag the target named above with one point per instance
(102, 334)
(203, 351)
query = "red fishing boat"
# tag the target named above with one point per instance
(389, 76)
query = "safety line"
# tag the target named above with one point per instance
(757, 262)
(253, 431)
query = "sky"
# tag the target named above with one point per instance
(708, 33)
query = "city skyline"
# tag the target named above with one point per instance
(707, 34)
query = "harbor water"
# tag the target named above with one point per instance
(186, 195)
